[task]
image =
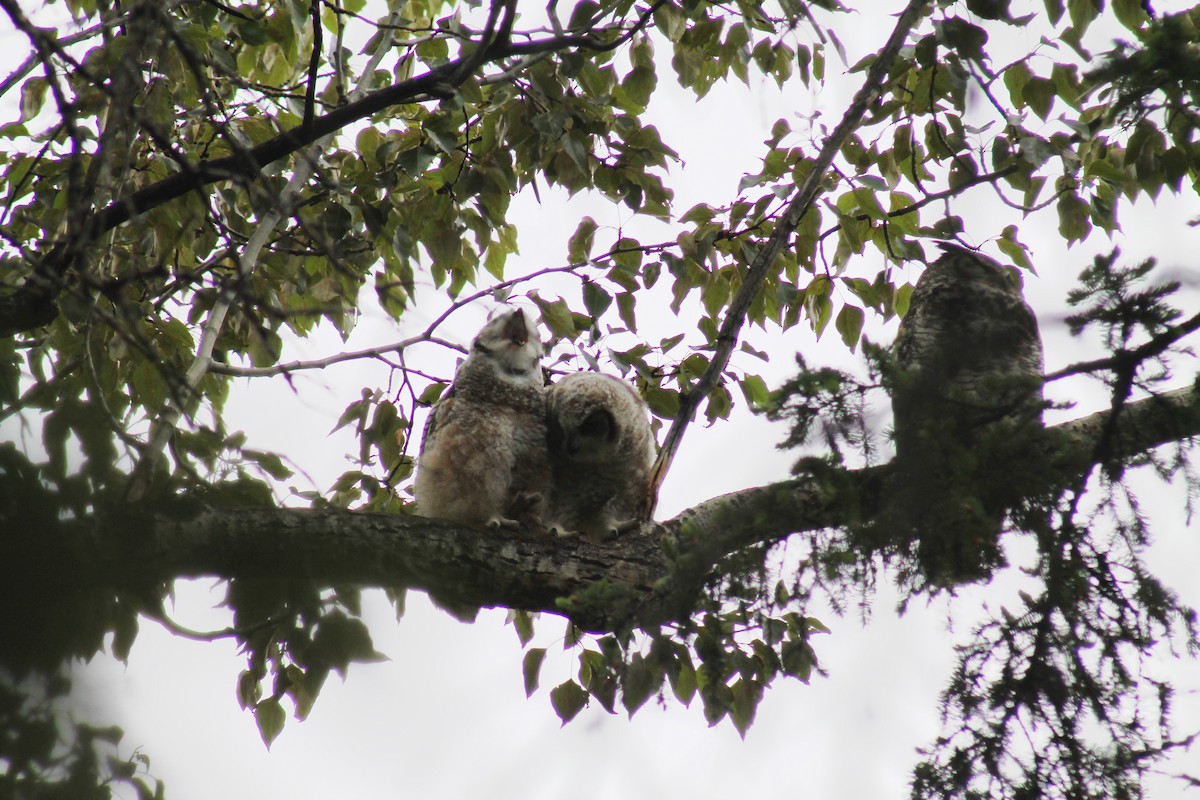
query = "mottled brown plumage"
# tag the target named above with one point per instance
(970, 343)
(483, 456)
(969, 387)
(601, 449)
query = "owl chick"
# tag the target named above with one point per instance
(483, 456)
(967, 394)
(601, 451)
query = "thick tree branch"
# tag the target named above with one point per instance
(629, 581)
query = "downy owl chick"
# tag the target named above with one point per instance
(967, 401)
(601, 451)
(483, 456)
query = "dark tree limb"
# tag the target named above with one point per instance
(629, 582)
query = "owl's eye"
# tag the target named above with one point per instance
(599, 425)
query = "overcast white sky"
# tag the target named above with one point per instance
(446, 717)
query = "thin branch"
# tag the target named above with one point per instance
(1123, 358)
(320, 363)
(314, 61)
(989, 177)
(806, 193)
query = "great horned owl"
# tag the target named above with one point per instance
(601, 450)
(483, 456)
(966, 397)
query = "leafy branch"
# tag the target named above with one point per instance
(801, 203)
(32, 305)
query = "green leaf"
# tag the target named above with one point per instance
(1014, 249)
(339, 640)
(270, 463)
(265, 347)
(720, 403)
(683, 680)
(270, 717)
(746, 696)
(249, 690)
(568, 699)
(901, 300)
(583, 15)
(663, 403)
(557, 316)
(849, 324)
(638, 683)
(968, 39)
(579, 247)
(626, 305)
(1083, 13)
(1131, 13)
(989, 9)
(522, 622)
(798, 659)
(1039, 93)
(430, 395)
(668, 344)
(817, 304)
(33, 95)
(125, 630)
(1074, 223)
(531, 667)
(755, 390)
(595, 299)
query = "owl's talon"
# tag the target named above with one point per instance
(497, 522)
(561, 531)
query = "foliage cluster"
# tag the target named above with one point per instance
(188, 185)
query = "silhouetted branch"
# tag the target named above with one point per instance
(470, 567)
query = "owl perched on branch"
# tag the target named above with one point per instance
(967, 398)
(483, 456)
(601, 451)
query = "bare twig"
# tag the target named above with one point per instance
(321, 363)
(314, 61)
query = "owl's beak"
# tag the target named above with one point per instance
(517, 331)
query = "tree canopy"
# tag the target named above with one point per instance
(192, 188)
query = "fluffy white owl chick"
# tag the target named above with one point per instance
(601, 452)
(483, 456)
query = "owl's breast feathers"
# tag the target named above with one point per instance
(969, 336)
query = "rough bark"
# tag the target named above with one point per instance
(630, 581)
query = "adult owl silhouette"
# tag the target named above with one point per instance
(483, 456)
(966, 397)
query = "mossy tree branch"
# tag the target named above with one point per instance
(468, 567)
